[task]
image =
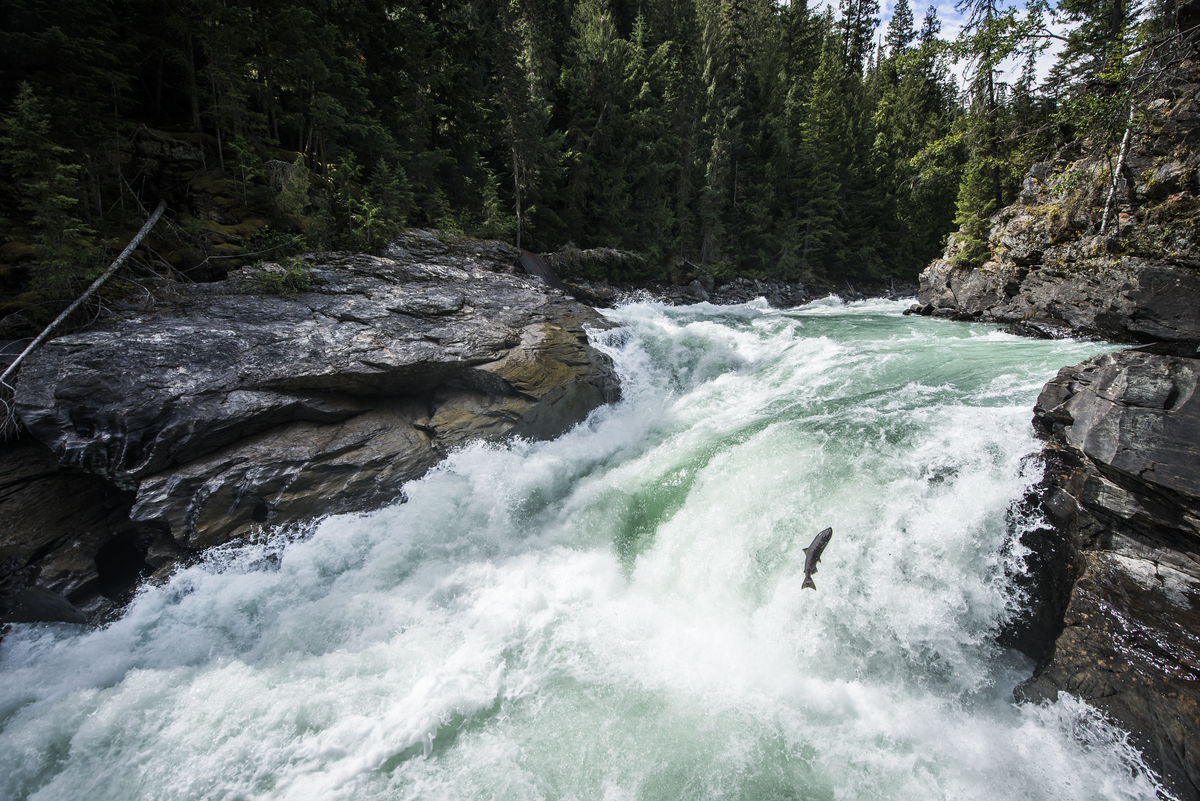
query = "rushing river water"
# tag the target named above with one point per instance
(617, 614)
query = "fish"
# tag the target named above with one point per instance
(813, 555)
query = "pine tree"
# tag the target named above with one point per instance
(48, 191)
(597, 100)
(390, 190)
(992, 34)
(820, 225)
(535, 149)
(857, 24)
(900, 33)
(920, 180)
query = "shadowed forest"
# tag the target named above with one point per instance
(744, 136)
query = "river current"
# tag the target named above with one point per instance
(618, 614)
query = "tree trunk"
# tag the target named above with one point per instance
(112, 268)
(193, 89)
(1116, 176)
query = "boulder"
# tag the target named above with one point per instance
(290, 391)
(1114, 578)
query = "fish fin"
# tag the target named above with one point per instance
(808, 584)
(805, 549)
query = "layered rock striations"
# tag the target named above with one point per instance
(287, 392)
(1119, 556)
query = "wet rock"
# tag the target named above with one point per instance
(1114, 583)
(39, 605)
(1130, 648)
(1039, 330)
(53, 521)
(237, 408)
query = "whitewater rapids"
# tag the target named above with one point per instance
(618, 614)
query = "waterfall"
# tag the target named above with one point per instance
(618, 613)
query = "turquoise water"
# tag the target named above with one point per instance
(617, 614)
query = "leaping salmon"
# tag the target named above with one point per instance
(813, 555)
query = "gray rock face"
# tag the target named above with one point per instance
(1135, 418)
(1121, 497)
(1119, 298)
(53, 522)
(239, 408)
(1138, 281)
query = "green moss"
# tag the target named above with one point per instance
(287, 278)
(228, 250)
(241, 231)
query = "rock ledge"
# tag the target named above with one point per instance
(233, 407)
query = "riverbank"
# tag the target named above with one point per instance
(282, 394)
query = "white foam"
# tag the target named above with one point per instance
(617, 614)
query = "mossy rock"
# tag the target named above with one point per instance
(227, 250)
(213, 185)
(547, 371)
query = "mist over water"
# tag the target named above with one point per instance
(617, 614)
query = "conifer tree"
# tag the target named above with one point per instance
(859, 18)
(595, 90)
(820, 223)
(523, 82)
(650, 165)
(900, 33)
(992, 34)
(47, 187)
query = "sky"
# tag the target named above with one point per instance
(952, 23)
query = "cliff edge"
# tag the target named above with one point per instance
(278, 395)
(1055, 264)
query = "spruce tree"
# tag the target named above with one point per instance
(992, 34)
(900, 33)
(820, 225)
(46, 184)
(858, 21)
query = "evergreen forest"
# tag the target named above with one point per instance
(746, 137)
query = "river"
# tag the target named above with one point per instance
(618, 614)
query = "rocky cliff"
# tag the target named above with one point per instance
(1055, 265)
(1114, 571)
(1117, 562)
(289, 391)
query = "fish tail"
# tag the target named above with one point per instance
(808, 583)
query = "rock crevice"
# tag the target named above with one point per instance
(1115, 568)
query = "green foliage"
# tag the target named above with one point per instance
(274, 244)
(749, 136)
(294, 180)
(287, 278)
(495, 222)
(976, 203)
(47, 189)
